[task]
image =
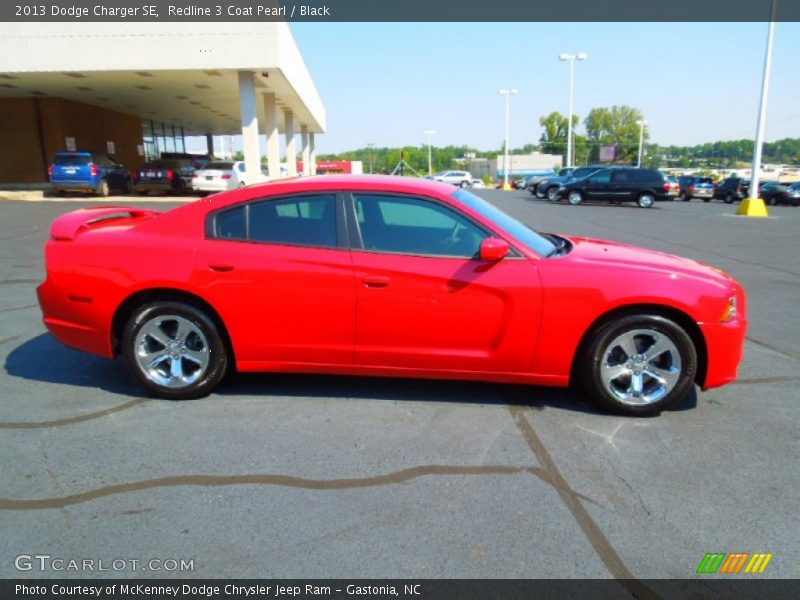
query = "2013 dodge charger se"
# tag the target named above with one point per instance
(384, 276)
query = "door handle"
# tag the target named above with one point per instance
(376, 281)
(220, 268)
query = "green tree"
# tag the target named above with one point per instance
(615, 126)
(554, 135)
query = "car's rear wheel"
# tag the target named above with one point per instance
(175, 350)
(128, 187)
(575, 197)
(685, 197)
(645, 200)
(639, 365)
(706, 199)
(552, 194)
(729, 198)
(102, 188)
(464, 184)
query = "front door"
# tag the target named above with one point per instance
(425, 300)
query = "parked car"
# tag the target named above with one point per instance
(220, 176)
(268, 278)
(696, 186)
(460, 178)
(198, 161)
(674, 186)
(532, 180)
(548, 187)
(774, 193)
(168, 176)
(732, 189)
(88, 172)
(643, 186)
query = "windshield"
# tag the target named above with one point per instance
(523, 233)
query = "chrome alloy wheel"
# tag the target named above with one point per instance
(171, 351)
(640, 367)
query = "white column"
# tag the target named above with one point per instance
(273, 137)
(312, 155)
(247, 102)
(305, 151)
(291, 149)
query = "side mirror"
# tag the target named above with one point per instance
(494, 249)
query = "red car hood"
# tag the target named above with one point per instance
(609, 254)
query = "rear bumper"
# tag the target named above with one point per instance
(73, 320)
(74, 186)
(153, 186)
(210, 186)
(725, 345)
(702, 194)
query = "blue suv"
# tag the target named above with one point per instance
(89, 172)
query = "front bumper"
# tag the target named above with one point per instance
(725, 348)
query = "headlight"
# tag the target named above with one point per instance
(795, 194)
(730, 310)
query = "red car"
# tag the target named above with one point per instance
(384, 276)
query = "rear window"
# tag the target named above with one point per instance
(165, 164)
(72, 160)
(221, 165)
(704, 180)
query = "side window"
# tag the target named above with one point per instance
(601, 178)
(304, 221)
(415, 226)
(230, 224)
(620, 177)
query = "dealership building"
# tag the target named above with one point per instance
(134, 90)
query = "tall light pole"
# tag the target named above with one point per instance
(370, 146)
(429, 133)
(571, 58)
(753, 206)
(641, 123)
(507, 93)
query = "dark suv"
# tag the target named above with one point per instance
(732, 188)
(643, 186)
(695, 186)
(548, 187)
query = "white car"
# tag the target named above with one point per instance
(222, 175)
(459, 178)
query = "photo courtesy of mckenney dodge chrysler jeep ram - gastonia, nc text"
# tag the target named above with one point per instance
(384, 276)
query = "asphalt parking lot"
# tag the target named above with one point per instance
(312, 476)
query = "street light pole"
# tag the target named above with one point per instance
(507, 93)
(565, 56)
(753, 206)
(370, 145)
(429, 133)
(641, 123)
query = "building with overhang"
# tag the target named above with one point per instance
(134, 90)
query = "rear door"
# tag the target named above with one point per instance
(598, 186)
(426, 301)
(280, 274)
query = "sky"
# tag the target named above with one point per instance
(695, 82)
(385, 83)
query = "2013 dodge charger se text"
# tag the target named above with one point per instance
(384, 276)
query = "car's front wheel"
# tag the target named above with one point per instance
(464, 184)
(552, 194)
(175, 350)
(639, 365)
(729, 198)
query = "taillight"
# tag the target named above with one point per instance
(195, 176)
(50, 170)
(226, 176)
(666, 185)
(170, 174)
(94, 169)
(691, 188)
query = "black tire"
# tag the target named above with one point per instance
(142, 193)
(591, 363)
(685, 197)
(728, 198)
(575, 197)
(706, 199)
(646, 200)
(464, 184)
(61, 193)
(551, 194)
(216, 351)
(102, 189)
(128, 187)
